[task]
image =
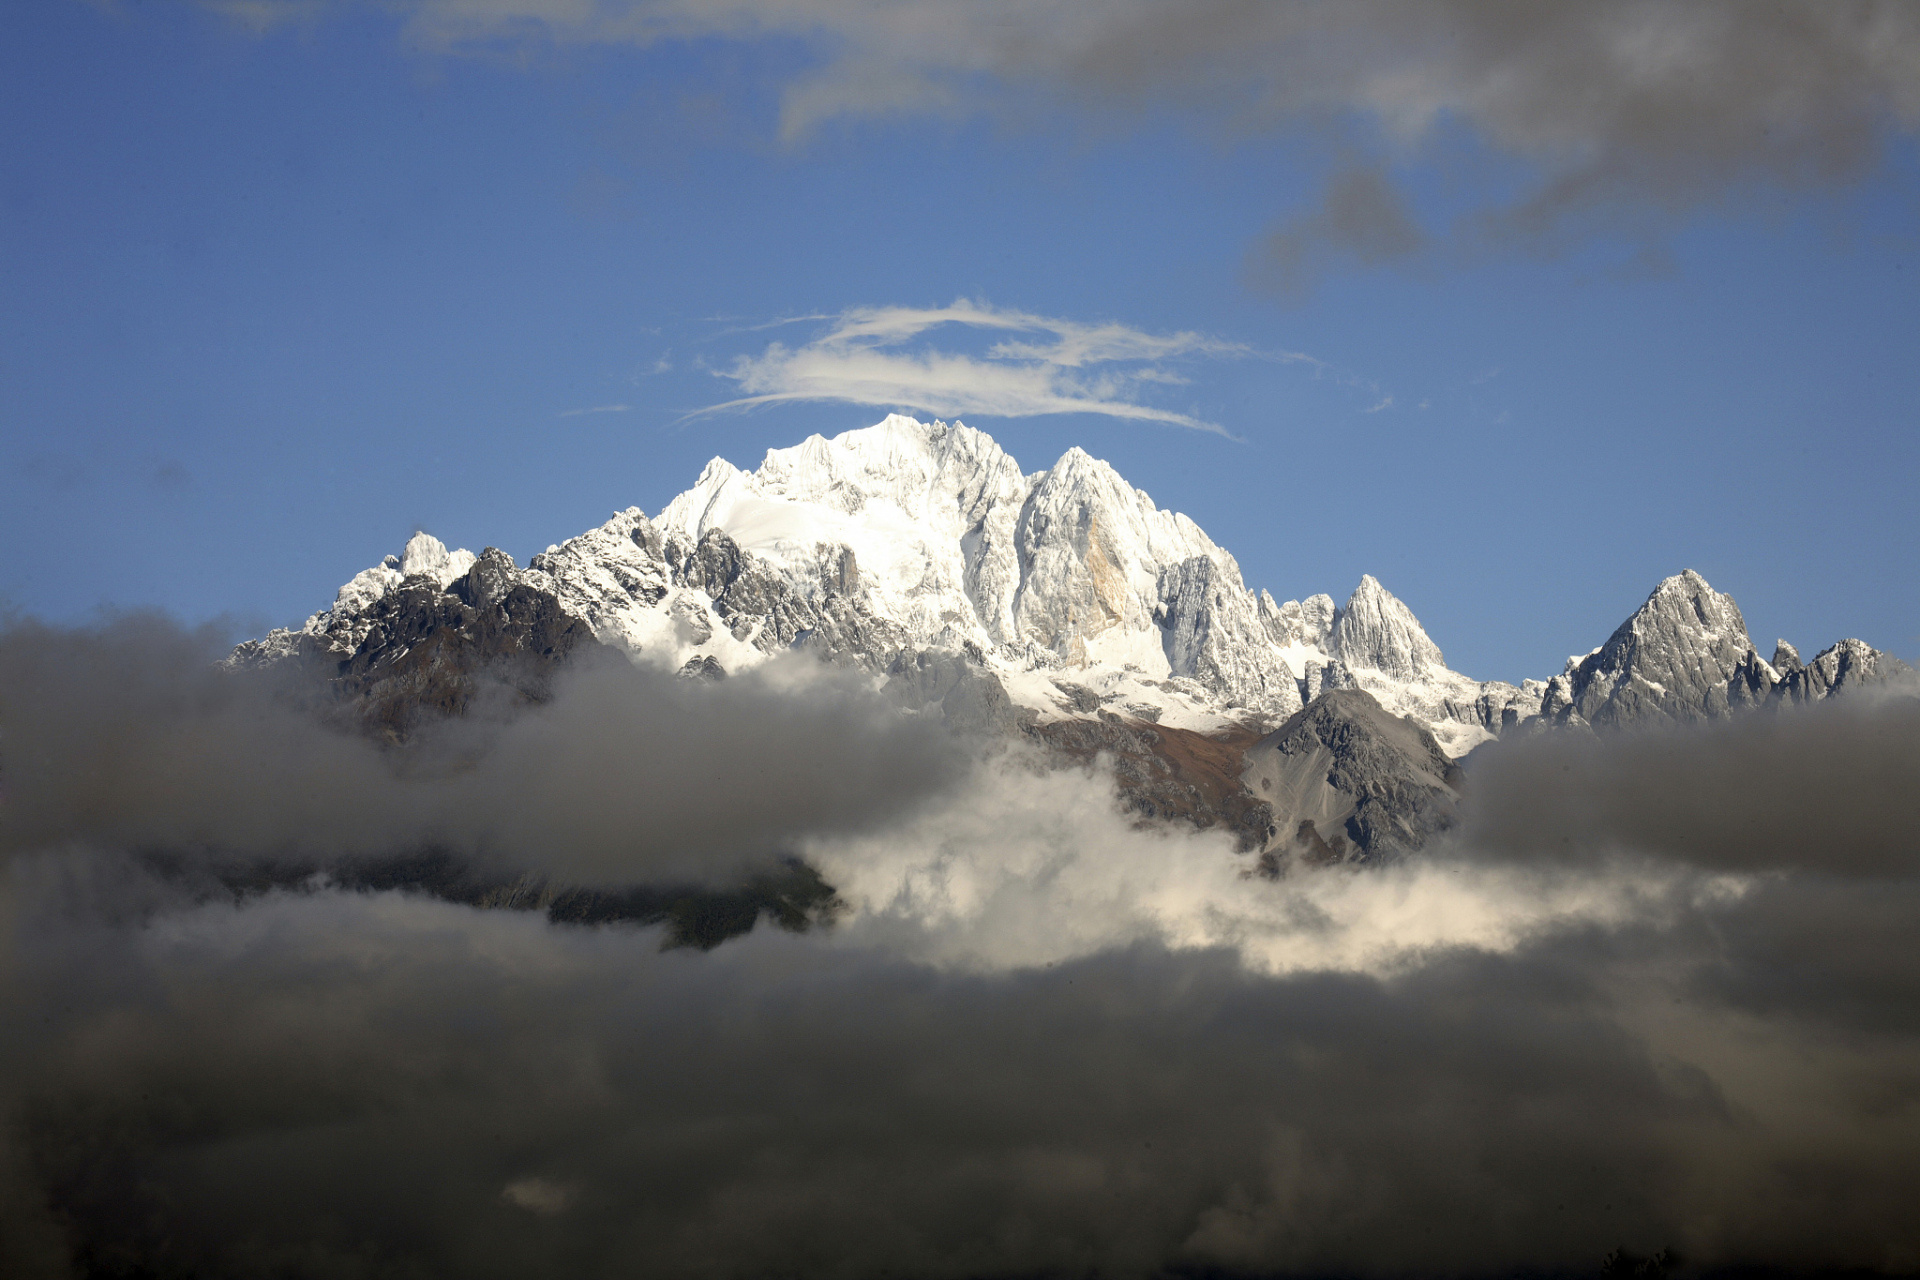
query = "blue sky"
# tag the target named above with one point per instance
(281, 283)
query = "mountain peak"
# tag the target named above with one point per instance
(1687, 603)
(1076, 465)
(426, 555)
(1672, 660)
(903, 539)
(1374, 629)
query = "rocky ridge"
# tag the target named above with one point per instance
(1685, 656)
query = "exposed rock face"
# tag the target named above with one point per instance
(1213, 636)
(1322, 676)
(956, 685)
(1167, 774)
(1307, 623)
(1348, 781)
(398, 646)
(609, 575)
(430, 644)
(1851, 664)
(1382, 648)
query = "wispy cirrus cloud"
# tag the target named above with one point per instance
(883, 356)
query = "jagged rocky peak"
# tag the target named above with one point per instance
(1673, 660)
(1842, 668)
(1685, 655)
(487, 583)
(424, 556)
(1093, 551)
(1375, 630)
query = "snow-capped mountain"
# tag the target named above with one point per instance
(907, 537)
(1067, 591)
(1062, 603)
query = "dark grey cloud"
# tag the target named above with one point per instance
(129, 737)
(330, 1085)
(1361, 217)
(1832, 789)
(1722, 1057)
(1625, 114)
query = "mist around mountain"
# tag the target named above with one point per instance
(890, 862)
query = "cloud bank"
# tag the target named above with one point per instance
(878, 356)
(130, 738)
(1041, 1040)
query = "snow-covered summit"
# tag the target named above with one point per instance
(1066, 575)
(1375, 630)
(1070, 591)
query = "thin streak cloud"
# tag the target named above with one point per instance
(878, 356)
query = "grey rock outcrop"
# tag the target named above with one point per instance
(1349, 781)
(761, 606)
(1321, 676)
(1298, 622)
(1212, 636)
(703, 668)
(966, 695)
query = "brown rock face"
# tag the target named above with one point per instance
(1170, 774)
